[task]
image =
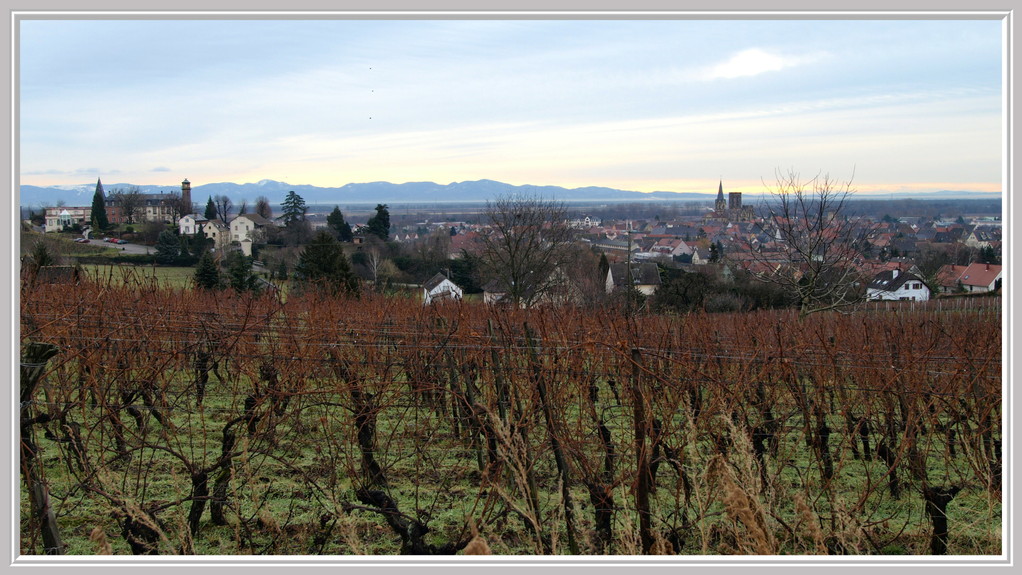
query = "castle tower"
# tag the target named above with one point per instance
(720, 205)
(186, 195)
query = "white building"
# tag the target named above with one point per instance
(896, 285)
(218, 232)
(440, 288)
(244, 227)
(191, 224)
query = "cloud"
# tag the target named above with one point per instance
(753, 62)
(160, 169)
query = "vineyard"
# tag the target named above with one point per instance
(169, 421)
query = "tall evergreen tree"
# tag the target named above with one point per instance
(207, 273)
(323, 266)
(293, 208)
(210, 209)
(239, 272)
(336, 222)
(379, 224)
(167, 247)
(99, 217)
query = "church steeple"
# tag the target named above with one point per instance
(720, 205)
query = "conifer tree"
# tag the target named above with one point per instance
(293, 208)
(239, 272)
(99, 217)
(379, 225)
(323, 266)
(210, 209)
(336, 222)
(207, 273)
(167, 247)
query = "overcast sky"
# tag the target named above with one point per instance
(639, 105)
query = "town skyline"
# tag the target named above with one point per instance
(898, 106)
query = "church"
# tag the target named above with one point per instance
(730, 210)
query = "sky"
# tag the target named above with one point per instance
(645, 105)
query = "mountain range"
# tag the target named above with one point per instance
(406, 193)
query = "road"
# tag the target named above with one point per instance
(128, 248)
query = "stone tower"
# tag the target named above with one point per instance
(720, 205)
(734, 202)
(186, 196)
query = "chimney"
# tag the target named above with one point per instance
(988, 267)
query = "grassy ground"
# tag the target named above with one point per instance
(167, 277)
(280, 494)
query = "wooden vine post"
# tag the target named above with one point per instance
(642, 468)
(32, 368)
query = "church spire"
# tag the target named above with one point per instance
(720, 205)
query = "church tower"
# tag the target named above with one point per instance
(720, 205)
(186, 196)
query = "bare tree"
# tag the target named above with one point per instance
(177, 207)
(262, 207)
(183, 207)
(374, 259)
(223, 207)
(526, 246)
(813, 258)
(130, 202)
(434, 250)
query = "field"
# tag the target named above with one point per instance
(163, 276)
(171, 421)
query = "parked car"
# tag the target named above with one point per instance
(121, 241)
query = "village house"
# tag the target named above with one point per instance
(191, 224)
(439, 289)
(65, 217)
(897, 285)
(247, 226)
(644, 277)
(217, 231)
(973, 278)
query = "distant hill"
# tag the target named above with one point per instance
(406, 193)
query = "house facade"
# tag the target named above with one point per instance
(59, 218)
(246, 226)
(440, 288)
(973, 278)
(896, 285)
(191, 224)
(218, 232)
(644, 277)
